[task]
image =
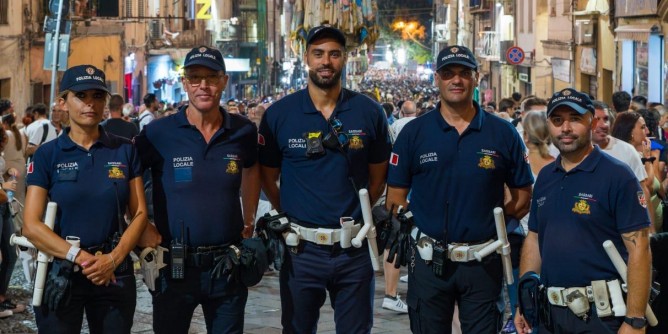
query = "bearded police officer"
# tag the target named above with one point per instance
(325, 142)
(201, 158)
(456, 160)
(580, 200)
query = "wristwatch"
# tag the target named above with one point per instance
(637, 323)
(646, 160)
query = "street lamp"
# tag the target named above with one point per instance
(401, 56)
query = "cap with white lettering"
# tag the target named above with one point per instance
(571, 98)
(207, 57)
(456, 55)
(83, 77)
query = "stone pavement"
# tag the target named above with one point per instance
(263, 310)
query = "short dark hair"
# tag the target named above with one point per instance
(116, 103)
(621, 101)
(149, 99)
(532, 102)
(505, 104)
(39, 108)
(624, 125)
(389, 108)
(639, 99)
(5, 105)
(516, 96)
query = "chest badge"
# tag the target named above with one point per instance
(486, 162)
(116, 173)
(581, 207)
(356, 143)
(232, 167)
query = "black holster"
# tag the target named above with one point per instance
(270, 229)
(532, 299)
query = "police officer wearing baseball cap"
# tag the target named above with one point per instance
(93, 176)
(456, 160)
(201, 158)
(580, 200)
(325, 142)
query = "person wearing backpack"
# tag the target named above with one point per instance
(148, 115)
(40, 131)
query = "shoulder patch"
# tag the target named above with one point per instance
(260, 139)
(394, 159)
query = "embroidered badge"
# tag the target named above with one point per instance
(394, 159)
(581, 207)
(30, 167)
(486, 162)
(232, 167)
(641, 199)
(356, 143)
(260, 139)
(116, 173)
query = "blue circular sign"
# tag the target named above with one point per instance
(515, 55)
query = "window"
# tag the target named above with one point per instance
(567, 6)
(4, 11)
(128, 8)
(5, 88)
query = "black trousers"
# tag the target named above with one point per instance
(475, 286)
(109, 309)
(564, 321)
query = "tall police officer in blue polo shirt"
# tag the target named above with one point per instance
(200, 159)
(580, 200)
(325, 142)
(456, 159)
(93, 176)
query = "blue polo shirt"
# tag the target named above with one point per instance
(196, 184)
(88, 185)
(316, 190)
(457, 180)
(574, 212)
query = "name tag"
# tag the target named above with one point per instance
(67, 175)
(183, 174)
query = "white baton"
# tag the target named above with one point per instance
(368, 230)
(620, 265)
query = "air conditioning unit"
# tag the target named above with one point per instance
(584, 32)
(442, 32)
(155, 29)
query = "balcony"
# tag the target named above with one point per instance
(487, 45)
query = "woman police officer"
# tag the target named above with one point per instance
(94, 177)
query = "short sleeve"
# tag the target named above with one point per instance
(269, 152)
(381, 146)
(519, 174)
(148, 155)
(630, 206)
(39, 169)
(399, 173)
(250, 146)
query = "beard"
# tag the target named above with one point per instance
(325, 83)
(578, 143)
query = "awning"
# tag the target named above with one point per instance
(637, 32)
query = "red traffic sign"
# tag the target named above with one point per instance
(515, 55)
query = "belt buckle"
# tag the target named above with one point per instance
(323, 236)
(460, 254)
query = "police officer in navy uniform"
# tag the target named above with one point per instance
(325, 142)
(200, 159)
(93, 176)
(456, 159)
(582, 199)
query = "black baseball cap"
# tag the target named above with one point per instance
(207, 57)
(323, 31)
(456, 55)
(571, 98)
(83, 77)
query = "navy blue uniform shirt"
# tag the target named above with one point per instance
(195, 184)
(574, 212)
(86, 184)
(316, 190)
(457, 180)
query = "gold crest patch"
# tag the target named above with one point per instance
(116, 173)
(356, 143)
(486, 162)
(232, 167)
(581, 207)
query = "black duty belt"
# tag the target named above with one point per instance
(205, 256)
